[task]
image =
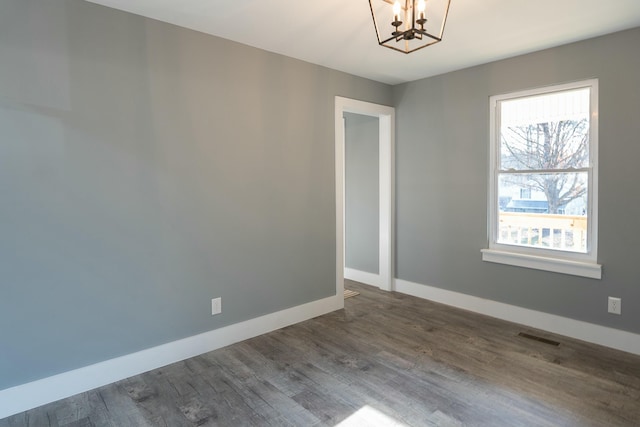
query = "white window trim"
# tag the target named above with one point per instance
(565, 262)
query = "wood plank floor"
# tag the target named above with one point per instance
(387, 359)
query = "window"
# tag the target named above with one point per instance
(543, 179)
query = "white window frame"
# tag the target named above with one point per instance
(579, 264)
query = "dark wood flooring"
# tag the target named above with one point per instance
(387, 359)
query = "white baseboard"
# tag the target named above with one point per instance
(363, 277)
(602, 335)
(27, 396)
(30, 395)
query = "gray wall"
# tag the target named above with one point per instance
(362, 212)
(145, 169)
(442, 164)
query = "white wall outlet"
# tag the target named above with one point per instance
(216, 306)
(615, 305)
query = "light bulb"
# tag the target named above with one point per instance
(396, 9)
(421, 6)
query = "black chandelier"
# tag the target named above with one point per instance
(409, 25)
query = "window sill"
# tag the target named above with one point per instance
(557, 265)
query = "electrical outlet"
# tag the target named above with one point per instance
(615, 305)
(216, 306)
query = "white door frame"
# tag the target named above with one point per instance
(386, 116)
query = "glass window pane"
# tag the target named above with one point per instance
(548, 107)
(553, 216)
(546, 132)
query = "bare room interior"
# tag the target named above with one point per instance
(292, 213)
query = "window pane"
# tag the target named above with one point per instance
(545, 132)
(554, 216)
(549, 107)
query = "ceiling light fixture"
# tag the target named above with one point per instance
(409, 25)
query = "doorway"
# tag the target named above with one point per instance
(385, 115)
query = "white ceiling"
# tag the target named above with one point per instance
(339, 34)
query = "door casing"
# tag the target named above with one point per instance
(386, 116)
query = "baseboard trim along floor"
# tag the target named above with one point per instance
(388, 358)
(596, 334)
(363, 277)
(27, 396)
(30, 395)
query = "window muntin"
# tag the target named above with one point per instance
(543, 172)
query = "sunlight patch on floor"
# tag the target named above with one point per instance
(349, 294)
(368, 416)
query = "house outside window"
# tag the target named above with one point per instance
(543, 179)
(525, 193)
